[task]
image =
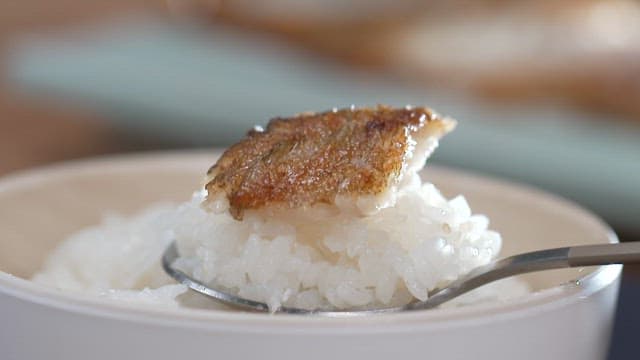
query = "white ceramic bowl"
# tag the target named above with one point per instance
(564, 319)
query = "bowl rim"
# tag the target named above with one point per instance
(219, 320)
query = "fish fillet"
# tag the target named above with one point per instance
(313, 158)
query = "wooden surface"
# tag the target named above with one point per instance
(33, 131)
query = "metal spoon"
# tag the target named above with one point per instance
(573, 256)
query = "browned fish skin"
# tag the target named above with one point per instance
(311, 158)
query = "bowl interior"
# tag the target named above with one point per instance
(40, 208)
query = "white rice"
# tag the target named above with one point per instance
(315, 257)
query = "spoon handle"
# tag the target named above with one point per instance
(565, 257)
(587, 255)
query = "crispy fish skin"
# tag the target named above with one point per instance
(313, 157)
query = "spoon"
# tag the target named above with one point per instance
(565, 257)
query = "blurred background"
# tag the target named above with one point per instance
(546, 92)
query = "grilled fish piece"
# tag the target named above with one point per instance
(314, 158)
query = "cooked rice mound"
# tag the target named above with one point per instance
(340, 261)
(322, 257)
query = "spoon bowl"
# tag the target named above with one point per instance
(558, 258)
